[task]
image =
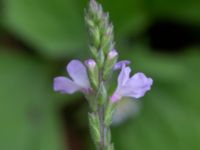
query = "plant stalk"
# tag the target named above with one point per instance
(102, 143)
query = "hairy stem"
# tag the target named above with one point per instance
(101, 113)
(101, 46)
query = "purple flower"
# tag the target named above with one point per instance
(120, 64)
(80, 82)
(112, 54)
(134, 87)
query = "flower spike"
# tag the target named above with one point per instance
(93, 77)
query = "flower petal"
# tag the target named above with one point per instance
(65, 85)
(122, 79)
(124, 76)
(120, 64)
(78, 73)
(137, 86)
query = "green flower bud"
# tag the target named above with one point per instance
(88, 21)
(109, 64)
(95, 36)
(102, 94)
(107, 44)
(100, 58)
(94, 51)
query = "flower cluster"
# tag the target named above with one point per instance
(134, 87)
(92, 77)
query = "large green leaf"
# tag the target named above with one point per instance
(27, 108)
(54, 28)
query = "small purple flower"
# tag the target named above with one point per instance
(120, 64)
(112, 54)
(134, 87)
(80, 82)
(90, 63)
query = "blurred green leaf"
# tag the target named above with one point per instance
(170, 116)
(28, 112)
(184, 10)
(128, 16)
(54, 28)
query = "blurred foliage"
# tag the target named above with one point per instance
(27, 107)
(184, 11)
(29, 111)
(128, 16)
(170, 116)
(53, 28)
(56, 28)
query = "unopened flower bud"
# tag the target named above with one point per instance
(93, 72)
(95, 36)
(112, 54)
(102, 94)
(90, 63)
(110, 63)
(93, 51)
(100, 58)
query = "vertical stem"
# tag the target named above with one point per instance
(101, 44)
(105, 142)
(101, 113)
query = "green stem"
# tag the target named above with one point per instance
(104, 143)
(101, 43)
(101, 118)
